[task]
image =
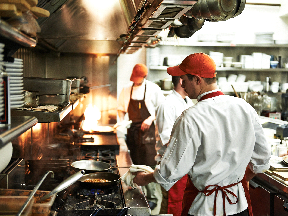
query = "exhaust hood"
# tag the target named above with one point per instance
(124, 26)
(154, 16)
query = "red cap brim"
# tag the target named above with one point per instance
(175, 71)
(136, 79)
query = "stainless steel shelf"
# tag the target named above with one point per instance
(19, 124)
(14, 35)
(215, 44)
(232, 69)
(42, 116)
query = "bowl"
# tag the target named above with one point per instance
(237, 64)
(273, 64)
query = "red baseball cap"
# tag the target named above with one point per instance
(139, 72)
(195, 64)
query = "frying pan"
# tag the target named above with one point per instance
(111, 179)
(92, 166)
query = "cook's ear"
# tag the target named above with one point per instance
(198, 79)
(180, 81)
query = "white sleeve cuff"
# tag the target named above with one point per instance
(159, 178)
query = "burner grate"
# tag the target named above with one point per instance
(82, 201)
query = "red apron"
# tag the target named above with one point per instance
(141, 144)
(175, 197)
(191, 191)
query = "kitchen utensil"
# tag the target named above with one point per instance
(93, 166)
(31, 99)
(66, 183)
(102, 179)
(33, 192)
(235, 91)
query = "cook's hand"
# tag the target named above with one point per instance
(146, 124)
(143, 178)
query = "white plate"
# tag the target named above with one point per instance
(16, 81)
(19, 102)
(16, 97)
(13, 65)
(15, 85)
(14, 74)
(14, 106)
(16, 78)
(16, 88)
(16, 92)
(14, 70)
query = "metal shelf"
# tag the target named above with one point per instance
(19, 124)
(219, 44)
(231, 69)
(43, 116)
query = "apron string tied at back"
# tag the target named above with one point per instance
(225, 193)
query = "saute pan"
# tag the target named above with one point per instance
(99, 179)
(91, 166)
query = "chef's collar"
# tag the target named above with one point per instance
(205, 93)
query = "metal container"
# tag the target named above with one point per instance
(31, 99)
(61, 100)
(47, 86)
(166, 84)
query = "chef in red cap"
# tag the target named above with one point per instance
(140, 99)
(213, 142)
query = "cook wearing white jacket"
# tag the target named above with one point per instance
(139, 100)
(167, 113)
(213, 141)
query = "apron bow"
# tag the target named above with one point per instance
(224, 190)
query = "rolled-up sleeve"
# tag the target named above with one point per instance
(179, 156)
(259, 162)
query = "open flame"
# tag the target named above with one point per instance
(92, 116)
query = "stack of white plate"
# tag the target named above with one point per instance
(264, 38)
(15, 73)
(2, 107)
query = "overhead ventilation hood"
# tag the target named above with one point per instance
(148, 18)
(124, 26)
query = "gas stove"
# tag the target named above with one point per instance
(80, 201)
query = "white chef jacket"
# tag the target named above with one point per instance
(166, 115)
(213, 141)
(153, 97)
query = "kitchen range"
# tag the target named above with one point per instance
(76, 63)
(99, 191)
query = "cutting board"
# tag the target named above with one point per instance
(32, 2)
(9, 10)
(40, 12)
(281, 175)
(22, 5)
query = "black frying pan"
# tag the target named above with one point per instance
(99, 179)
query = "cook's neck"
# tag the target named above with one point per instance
(180, 91)
(207, 89)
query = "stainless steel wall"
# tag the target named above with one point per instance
(99, 70)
